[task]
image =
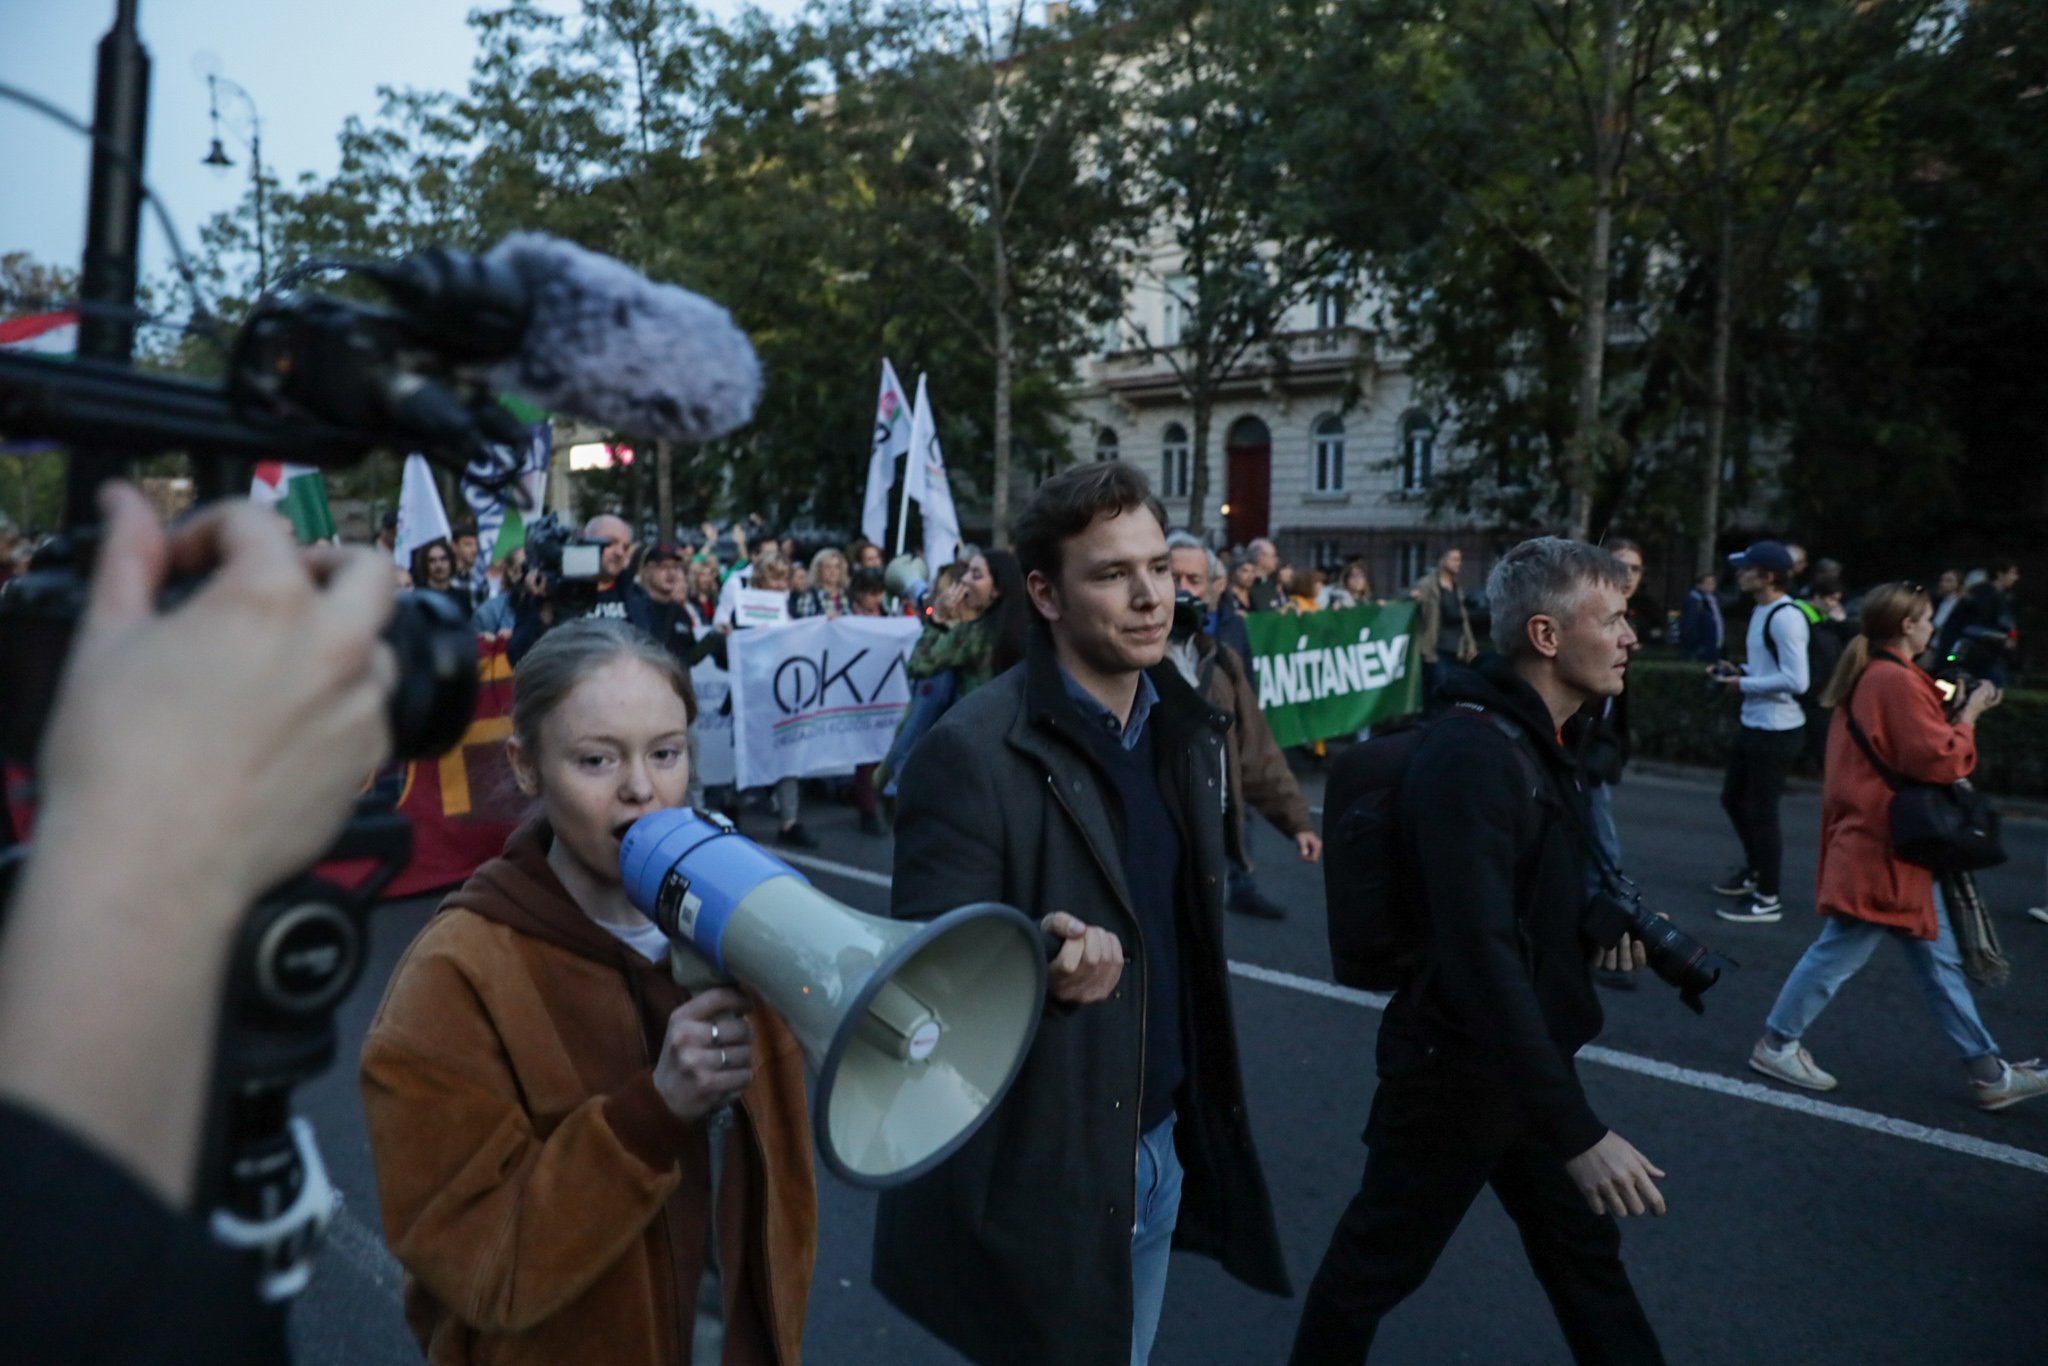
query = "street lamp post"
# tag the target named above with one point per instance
(218, 158)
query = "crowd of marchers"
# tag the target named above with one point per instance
(580, 1158)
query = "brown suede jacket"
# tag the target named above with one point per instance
(546, 1204)
(1257, 770)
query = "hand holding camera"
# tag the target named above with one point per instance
(114, 965)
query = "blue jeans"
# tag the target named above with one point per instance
(1846, 945)
(1158, 1209)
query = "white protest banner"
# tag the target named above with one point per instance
(821, 695)
(714, 723)
(760, 607)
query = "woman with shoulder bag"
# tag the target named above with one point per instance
(1867, 892)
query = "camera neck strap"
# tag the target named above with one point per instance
(1611, 876)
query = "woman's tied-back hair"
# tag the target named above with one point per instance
(1546, 577)
(1886, 610)
(570, 653)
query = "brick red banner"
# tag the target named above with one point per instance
(464, 804)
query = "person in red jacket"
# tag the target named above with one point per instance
(1866, 892)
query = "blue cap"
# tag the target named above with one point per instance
(1770, 555)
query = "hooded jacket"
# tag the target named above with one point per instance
(1505, 989)
(546, 1204)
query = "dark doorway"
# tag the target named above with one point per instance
(1248, 480)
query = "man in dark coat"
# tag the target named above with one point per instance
(1086, 788)
(1477, 1084)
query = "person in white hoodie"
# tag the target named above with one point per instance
(1773, 730)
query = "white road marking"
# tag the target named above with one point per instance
(1628, 1062)
(825, 865)
(1706, 1081)
(363, 1250)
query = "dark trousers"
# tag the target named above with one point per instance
(1420, 1178)
(1757, 764)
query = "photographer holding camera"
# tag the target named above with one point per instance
(214, 749)
(1477, 1085)
(559, 590)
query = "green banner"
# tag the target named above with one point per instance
(1325, 674)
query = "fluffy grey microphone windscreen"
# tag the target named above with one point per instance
(609, 345)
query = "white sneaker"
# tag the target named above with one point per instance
(1791, 1064)
(1760, 910)
(2021, 1081)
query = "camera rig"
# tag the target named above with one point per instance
(314, 380)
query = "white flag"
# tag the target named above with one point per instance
(927, 475)
(489, 506)
(891, 439)
(421, 518)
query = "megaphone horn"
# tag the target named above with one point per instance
(916, 1029)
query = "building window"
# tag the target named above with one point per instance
(1411, 561)
(1112, 336)
(1418, 450)
(1330, 308)
(1329, 454)
(1175, 308)
(1105, 444)
(1326, 554)
(1173, 461)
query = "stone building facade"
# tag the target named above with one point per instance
(1326, 450)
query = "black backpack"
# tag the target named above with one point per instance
(1376, 916)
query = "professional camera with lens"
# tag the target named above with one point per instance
(568, 564)
(1617, 909)
(1979, 653)
(1190, 613)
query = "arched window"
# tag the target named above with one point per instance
(1329, 454)
(1418, 449)
(1173, 461)
(1105, 443)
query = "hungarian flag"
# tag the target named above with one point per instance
(298, 492)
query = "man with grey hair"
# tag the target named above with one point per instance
(1477, 1084)
(1256, 775)
(1267, 595)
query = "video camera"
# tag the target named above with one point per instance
(569, 564)
(313, 380)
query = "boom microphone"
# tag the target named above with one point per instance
(607, 344)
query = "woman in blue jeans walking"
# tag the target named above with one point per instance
(1865, 892)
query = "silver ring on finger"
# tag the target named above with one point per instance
(714, 1031)
(721, 1057)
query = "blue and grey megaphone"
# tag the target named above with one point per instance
(914, 1028)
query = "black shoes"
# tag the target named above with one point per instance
(794, 836)
(1258, 906)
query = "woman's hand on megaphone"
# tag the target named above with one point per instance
(1088, 966)
(707, 1056)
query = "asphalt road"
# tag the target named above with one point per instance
(1793, 1237)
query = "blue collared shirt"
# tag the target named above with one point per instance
(1092, 711)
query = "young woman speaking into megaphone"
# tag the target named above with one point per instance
(545, 1101)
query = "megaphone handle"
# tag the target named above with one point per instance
(1053, 944)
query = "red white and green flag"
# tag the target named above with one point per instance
(298, 492)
